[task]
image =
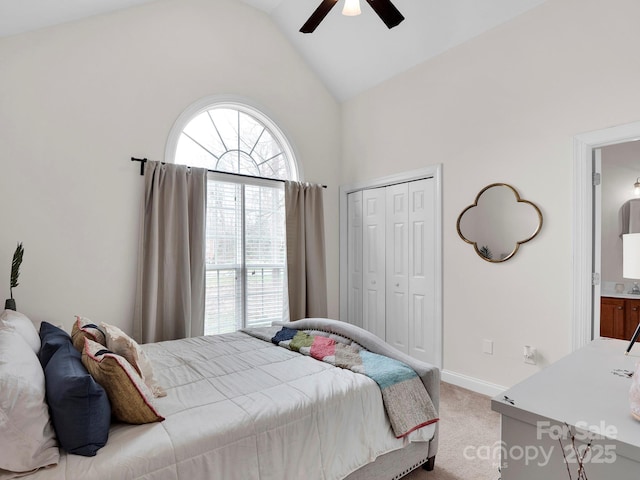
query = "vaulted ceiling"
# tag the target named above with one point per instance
(350, 54)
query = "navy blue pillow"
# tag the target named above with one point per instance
(51, 339)
(79, 406)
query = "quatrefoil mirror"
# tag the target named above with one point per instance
(498, 222)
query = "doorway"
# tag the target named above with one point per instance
(586, 298)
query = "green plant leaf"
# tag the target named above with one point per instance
(15, 266)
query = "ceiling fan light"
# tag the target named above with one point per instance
(351, 8)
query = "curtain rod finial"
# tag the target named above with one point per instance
(142, 162)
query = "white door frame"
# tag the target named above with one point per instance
(432, 171)
(583, 228)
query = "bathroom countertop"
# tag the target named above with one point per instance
(613, 294)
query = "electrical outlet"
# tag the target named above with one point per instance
(529, 354)
(487, 347)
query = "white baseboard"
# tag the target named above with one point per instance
(473, 384)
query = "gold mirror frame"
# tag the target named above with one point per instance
(518, 242)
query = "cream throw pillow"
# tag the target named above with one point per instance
(131, 400)
(120, 343)
(27, 438)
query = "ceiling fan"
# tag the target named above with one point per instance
(384, 8)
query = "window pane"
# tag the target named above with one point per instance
(265, 238)
(201, 131)
(227, 309)
(224, 224)
(226, 124)
(267, 147)
(223, 304)
(198, 157)
(265, 254)
(250, 132)
(277, 167)
(265, 295)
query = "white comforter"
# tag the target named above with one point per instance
(241, 408)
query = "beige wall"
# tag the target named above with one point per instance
(504, 108)
(77, 100)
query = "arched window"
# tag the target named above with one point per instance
(234, 137)
(246, 281)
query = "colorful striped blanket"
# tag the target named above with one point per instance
(405, 398)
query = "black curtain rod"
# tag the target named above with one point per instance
(145, 160)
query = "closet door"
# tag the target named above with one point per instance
(373, 266)
(422, 278)
(397, 265)
(354, 255)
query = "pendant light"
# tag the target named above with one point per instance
(351, 8)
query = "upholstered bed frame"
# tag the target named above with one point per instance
(392, 465)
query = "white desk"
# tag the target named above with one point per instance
(579, 390)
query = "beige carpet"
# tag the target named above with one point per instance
(469, 436)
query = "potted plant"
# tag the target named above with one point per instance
(10, 304)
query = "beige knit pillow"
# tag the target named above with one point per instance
(131, 400)
(85, 328)
(122, 344)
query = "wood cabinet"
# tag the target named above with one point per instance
(619, 317)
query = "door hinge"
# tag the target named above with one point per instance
(596, 179)
(595, 279)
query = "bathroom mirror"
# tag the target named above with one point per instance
(498, 222)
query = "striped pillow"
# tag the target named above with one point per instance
(85, 328)
(131, 400)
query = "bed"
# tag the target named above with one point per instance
(240, 407)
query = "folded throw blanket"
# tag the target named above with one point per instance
(405, 399)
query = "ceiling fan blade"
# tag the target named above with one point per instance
(387, 12)
(317, 16)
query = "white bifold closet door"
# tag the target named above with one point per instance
(397, 264)
(373, 262)
(391, 281)
(354, 246)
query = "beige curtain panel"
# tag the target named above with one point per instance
(171, 260)
(306, 259)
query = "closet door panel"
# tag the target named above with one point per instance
(397, 264)
(422, 279)
(354, 258)
(374, 271)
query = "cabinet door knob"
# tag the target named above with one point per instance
(619, 308)
(635, 309)
(398, 284)
(373, 282)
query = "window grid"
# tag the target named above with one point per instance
(246, 278)
(245, 234)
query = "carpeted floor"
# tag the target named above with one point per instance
(469, 438)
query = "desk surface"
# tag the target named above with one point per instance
(580, 389)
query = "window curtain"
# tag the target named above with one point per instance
(171, 260)
(306, 259)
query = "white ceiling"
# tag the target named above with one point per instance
(350, 54)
